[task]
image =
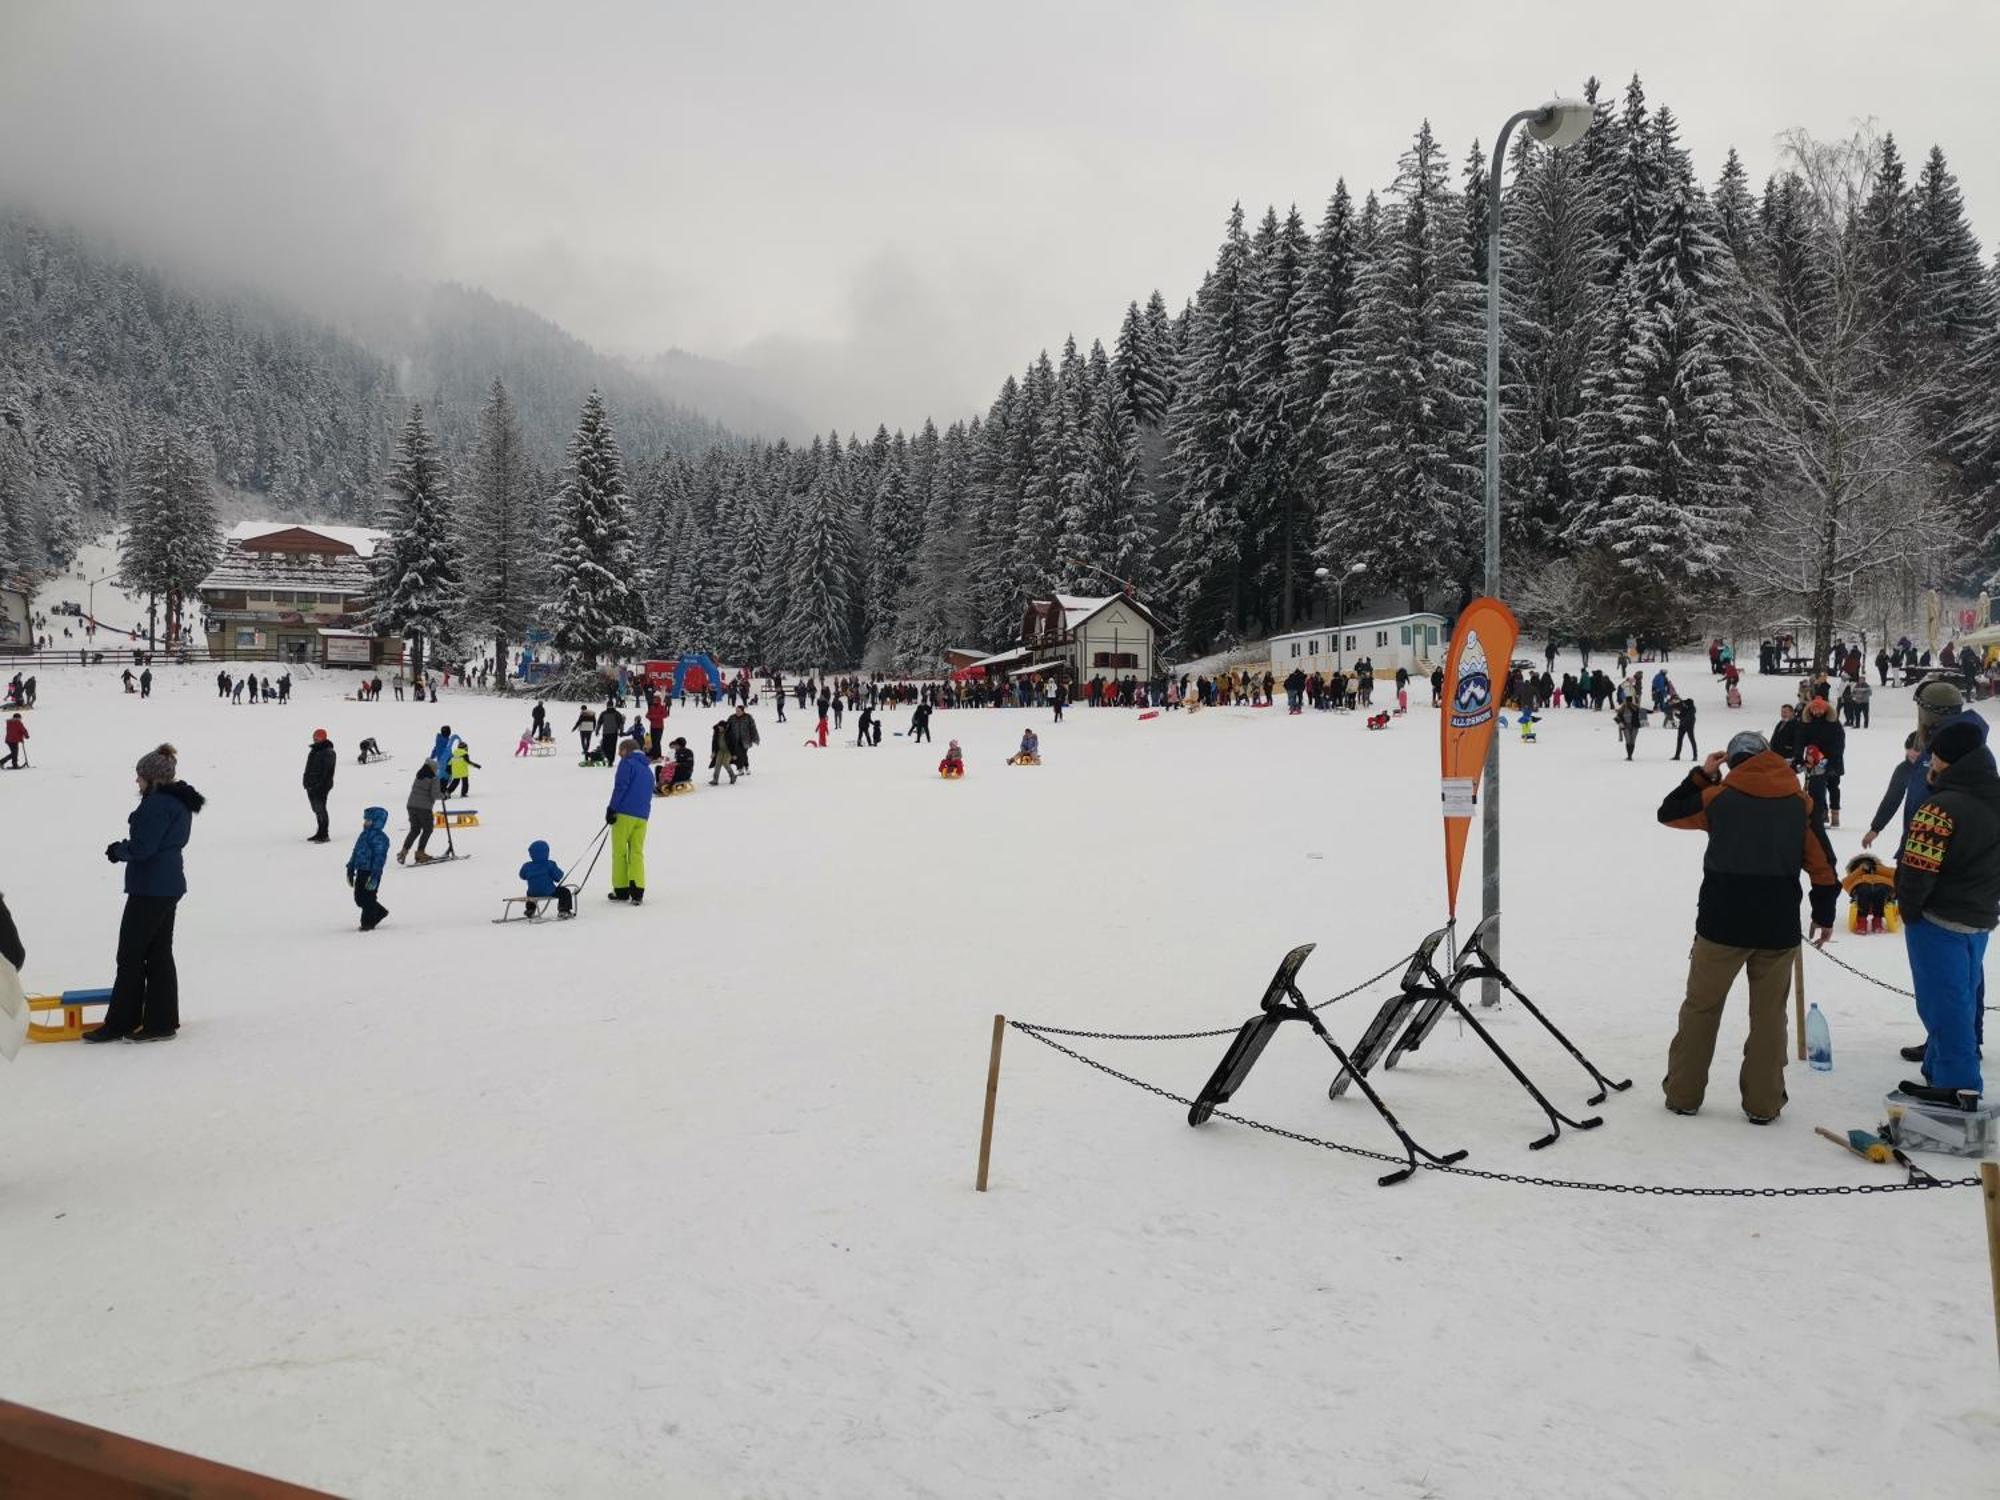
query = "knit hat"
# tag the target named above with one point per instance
(158, 766)
(1936, 702)
(1954, 742)
(1745, 744)
(318, 735)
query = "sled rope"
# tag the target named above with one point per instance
(1191, 1036)
(1658, 1190)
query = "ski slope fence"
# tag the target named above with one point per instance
(1918, 1180)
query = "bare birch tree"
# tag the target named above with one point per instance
(1851, 507)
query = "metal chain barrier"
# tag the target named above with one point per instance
(1190, 1036)
(1839, 1190)
(1881, 984)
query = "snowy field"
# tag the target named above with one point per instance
(678, 1201)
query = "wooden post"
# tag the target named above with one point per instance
(1989, 1173)
(992, 1094)
(1799, 999)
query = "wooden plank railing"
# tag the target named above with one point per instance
(52, 1458)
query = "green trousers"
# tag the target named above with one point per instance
(628, 852)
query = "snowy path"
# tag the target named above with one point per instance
(678, 1201)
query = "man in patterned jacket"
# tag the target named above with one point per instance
(1948, 886)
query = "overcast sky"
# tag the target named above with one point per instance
(882, 206)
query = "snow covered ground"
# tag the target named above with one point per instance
(678, 1201)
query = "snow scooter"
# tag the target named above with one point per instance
(1475, 961)
(449, 856)
(1427, 994)
(1282, 1002)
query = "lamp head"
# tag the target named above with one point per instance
(1319, 572)
(1560, 123)
(1361, 567)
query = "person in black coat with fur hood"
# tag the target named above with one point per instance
(145, 995)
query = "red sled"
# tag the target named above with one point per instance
(1151, 713)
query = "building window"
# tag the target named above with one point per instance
(1381, 638)
(246, 639)
(1431, 634)
(1406, 635)
(1350, 643)
(1115, 660)
(1295, 650)
(1315, 648)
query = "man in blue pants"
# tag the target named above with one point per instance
(1948, 886)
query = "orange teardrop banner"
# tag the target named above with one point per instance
(1475, 674)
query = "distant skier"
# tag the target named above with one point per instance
(585, 728)
(920, 720)
(318, 781)
(365, 864)
(421, 804)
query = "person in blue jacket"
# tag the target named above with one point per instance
(145, 994)
(365, 864)
(545, 881)
(626, 814)
(441, 749)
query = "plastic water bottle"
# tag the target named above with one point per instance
(1819, 1041)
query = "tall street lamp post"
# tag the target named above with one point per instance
(1339, 613)
(1559, 123)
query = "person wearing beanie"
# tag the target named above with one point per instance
(1761, 834)
(626, 815)
(145, 991)
(1948, 887)
(320, 758)
(1938, 704)
(1822, 731)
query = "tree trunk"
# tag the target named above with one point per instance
(500, 662)
(416, 662)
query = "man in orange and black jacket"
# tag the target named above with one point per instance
(1761, 834)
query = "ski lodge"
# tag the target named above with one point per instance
(1417, 641)
(297, 593)
(17, 631)
(1111, 637)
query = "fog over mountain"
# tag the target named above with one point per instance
(868, 210)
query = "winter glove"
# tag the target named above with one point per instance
(111, 853)
(610, 817)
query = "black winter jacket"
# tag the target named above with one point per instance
(319, 767)
(10, 938)
(1950, 864)
(1831, 738)
(1760, 836)
(1785, 740)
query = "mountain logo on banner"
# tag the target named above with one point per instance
(1472, 699)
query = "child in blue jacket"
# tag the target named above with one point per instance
(365, 865)
(545, 881)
